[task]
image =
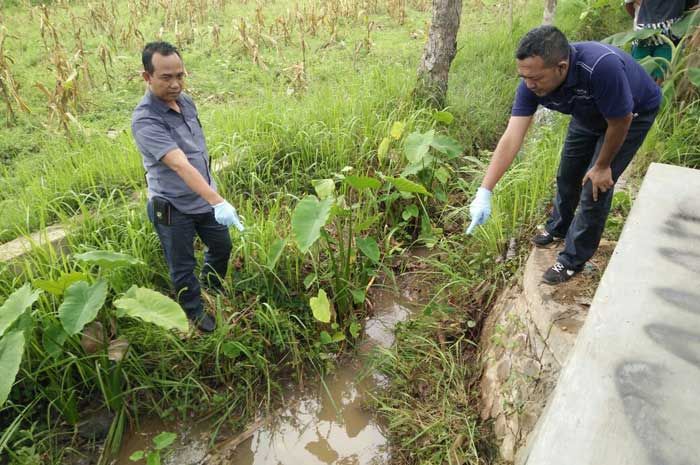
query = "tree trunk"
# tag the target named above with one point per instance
(550, 8)
(439, 52)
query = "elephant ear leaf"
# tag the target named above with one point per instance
(309, 216)
(81, 304)
(321, 307)
(11, 350)
(153, 307)
(15, 305)
(108, 258)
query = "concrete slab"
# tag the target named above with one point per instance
(630, 392)
(53, 235)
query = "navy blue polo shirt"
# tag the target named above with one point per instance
(157, 130)
(602, 82)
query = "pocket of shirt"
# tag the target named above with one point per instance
(186, 139)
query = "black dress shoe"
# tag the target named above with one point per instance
(205, 323)
(544, 239)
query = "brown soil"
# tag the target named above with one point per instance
(581, 288)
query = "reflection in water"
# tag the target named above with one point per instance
(320, 429)
(329, 425)
(326, 425)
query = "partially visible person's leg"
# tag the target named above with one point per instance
(218, 241)
(587, 227)
(579, 148)
(177, 241)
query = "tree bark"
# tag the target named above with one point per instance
(550, 8)
(439, 52)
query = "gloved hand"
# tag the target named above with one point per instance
(480, 208)
(226, 215)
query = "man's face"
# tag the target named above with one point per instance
(540, 78)
(168, 78)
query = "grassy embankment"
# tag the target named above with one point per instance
(431, 404)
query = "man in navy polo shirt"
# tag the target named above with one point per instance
(613, 103)
(182, 197)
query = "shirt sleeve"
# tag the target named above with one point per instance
(611, 88)
(525, 103)
(152, 136)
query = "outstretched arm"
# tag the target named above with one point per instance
(506, 150)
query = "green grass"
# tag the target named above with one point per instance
(277, 142)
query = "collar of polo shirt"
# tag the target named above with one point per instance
(160, 105)
(571, 78)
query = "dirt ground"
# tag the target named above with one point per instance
(581, 288)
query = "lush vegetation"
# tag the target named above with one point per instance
(336, 172)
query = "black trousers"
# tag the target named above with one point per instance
(575, 215)
(177, 240)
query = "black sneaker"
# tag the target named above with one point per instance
(543, 239)
(558, 274)
(205, 323)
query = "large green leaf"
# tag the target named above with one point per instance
(164, 440)
(414, 168)
(11, 350)
(417, 145)
(58, 286)
(404, 185)
(363, 182)
(397, 129)
(81, 304)
(153, 307)
(369, 247)
(324, 188)
(694, 76)
(443, 117)
(321, 307)
(622, 38)
(688, 23)
(446, 145)
(15, 305)
(309, 216)
(107, 258)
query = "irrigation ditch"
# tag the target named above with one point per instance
(330, 420)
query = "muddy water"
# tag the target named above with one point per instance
(330, 425)
(327, 424)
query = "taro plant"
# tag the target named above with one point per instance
(426, 159)
(333, 221)
(678, 67)
(84, 296)
(332, 228)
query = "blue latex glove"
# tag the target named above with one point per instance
(226, 215)
(480, 208)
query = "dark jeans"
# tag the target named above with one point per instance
(177, 241)
(583, 228)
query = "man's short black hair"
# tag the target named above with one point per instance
(546, 42)
(151, 48)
